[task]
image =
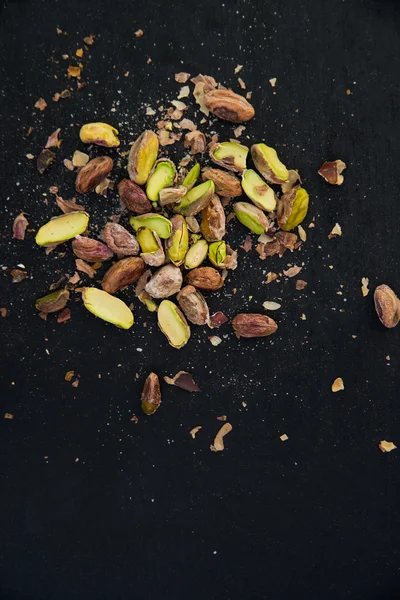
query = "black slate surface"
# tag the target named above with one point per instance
(147, 512)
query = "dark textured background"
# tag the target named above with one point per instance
(147, 512)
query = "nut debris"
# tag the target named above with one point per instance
(336, 231)
(332, 172)
(386, 446)
(195, 430)
(183, 380)
(364, 286)
(283, 437)
(218, 444)
(271, 305)
(338, 385)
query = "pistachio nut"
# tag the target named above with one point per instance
(192, 224)
(120, 241)
(107, 307)
(205, 278)
(196, 254)
(193, 304)
(53, 302)
(226, 184)
(292, 208)
(196, 199)
(251, 217)
(151, 394)
(162, 176)
(154, 222)
(62, 228)
(387, 306)
(173, 324)
(222, 256)
(165, 282)
(93, 173)
(253, 325)
(191, 177)
(100, 134)
(152, 250)
(213, 220)
(91, 250)
(122, 273)
(133, 197)
(258, 191)
(142, 156)
(228, 106)
(268, 164)
(177, 244)
(230, 155)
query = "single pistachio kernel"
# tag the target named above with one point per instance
(268, 164)
(142, 156)
(151, 394)
(191, 177)
(165, 282)
(107, 307)
(230, 155)
(258, 191)
(292, 208)
(213, 220)
(196, 199)
(196, 254)
(53, 302)
(173, 324)
(251, 217)
(161, 225)
(152, 249)
(177, 244)
(100, 134)
(217, 253)
(387, 306)
(162, 176)
(63, 228)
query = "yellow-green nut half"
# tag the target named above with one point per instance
(63, 228)
(162, 176)
(142, 156)
(107, 307)
(251, 217)
(150, 244)
(268, 164)
(191, 177)
(173, 324)
(292, 208)
(177, 244)
(196, 254)
(258, 191)
(101, 134)
(53, 302)
(222, 256)
(161, 225)
(230, 155)
(196, 199)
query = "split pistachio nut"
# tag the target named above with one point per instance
(107, 307)
(100, 134)
(213, 220)
(292, 208)
(173, 324)
(191, 177)
(63, 228)
(151, 394)
(196, 254)
(142, 156)
(258, 191)
(165, 282)
(251, 217)
(230, 155)
(193, 304)
(53, 302)
(177, 244)
(152, 250)
(196, 199)
(161, 225)
(91, 250)
(162, 176)
(268, 164)
(226, 184)
(222, 256)
(122, 273)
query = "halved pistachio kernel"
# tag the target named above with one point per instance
(152, 250)
(177, 244)
(100, 134)
(53, 302)
(251, 217)
(107, 307)
(292, 208)
(258, 191)
(142, 156)
(171, 195)
(196, 254)
(213, 220)
(268, 164)
(196, 199)
(191, 177)
(222, 256)
(154, 222)
(63, 228)
(162, 176)
(230, 155)
(173, 324)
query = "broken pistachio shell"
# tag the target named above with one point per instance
(171, 195)
(387, 306)
(107, 307)
(230, 155)
(251, 217)
(93, 173)
(100, 134)
(173, 324)
(151, 394)
(165, 282)
(205, 278)
(91, 250)
(152, 251)
(63, 228)
(122, 273)
(226, 184)
(228, 106)
(191, 177)
(268, 164)
(133, 197)
(162, 176)
(177, 244)
(196, 199)
(154, 222)
(53, 302)
(292, 208)
(119, 240)
(222, 256)
(213, 220)
(193, 304)
(258, 191)
(142, 156)
(196, 254)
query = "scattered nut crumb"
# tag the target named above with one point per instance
(215, 340)
(41, 104)
(218, 445)
(238, 68)
(292, 271)
(283, 437)
(238, 131)
(302, 233)
(271, 305)
(3, 312)
(364, 286)
(195, 430)
(272, 81)
(271, 277)
(139, 33)
(182, 77)
(338, 385)
(301, 284)
(222, 418)
(241, 83)
(386, 446)
(336, 231)
(8, 415)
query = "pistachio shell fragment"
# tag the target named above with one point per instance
(93, 173)
(258, 191)
(251, 217)
(91, 250)
(151, 394)
(196, 199)
(292, 208)
(107, 307)
(122, 273)
(171, 195)
(162, 176)
(142, 156)
(193, 304)
(152, 251)
(191, 177)
(173, 324)
(196, 254)
(213, 220)
(119, 240)
(53, 302)
(133, 197)
(177, 244)
(62, 228)
(222, 256)
(100, 134)
(154, 222)
(226, 184)
(230, 155)
(268, 164)
(165, 282)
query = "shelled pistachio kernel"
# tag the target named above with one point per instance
(258, 191)
(292, 208)
(196, 254)
(152, 249)
(217, 253)
(100, 134)
(177, 244)
(251, 217)
(62, 228)
(162, 176)
(213, 220)
(196, 199)
(161, 225)
(107, 307)
(191, 177)
(268, 164)
(230, 155)
(53, 302)
(151, 394)
(173, 324)
(142, 156)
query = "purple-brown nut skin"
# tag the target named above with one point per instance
(387, 306)
(120, 240)
(151, 394)
(133, 197)
(193, 304)
(205, 278)
(91, 250)
(93, 173)
(122, 273)
(165, 282)
(250, 325)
